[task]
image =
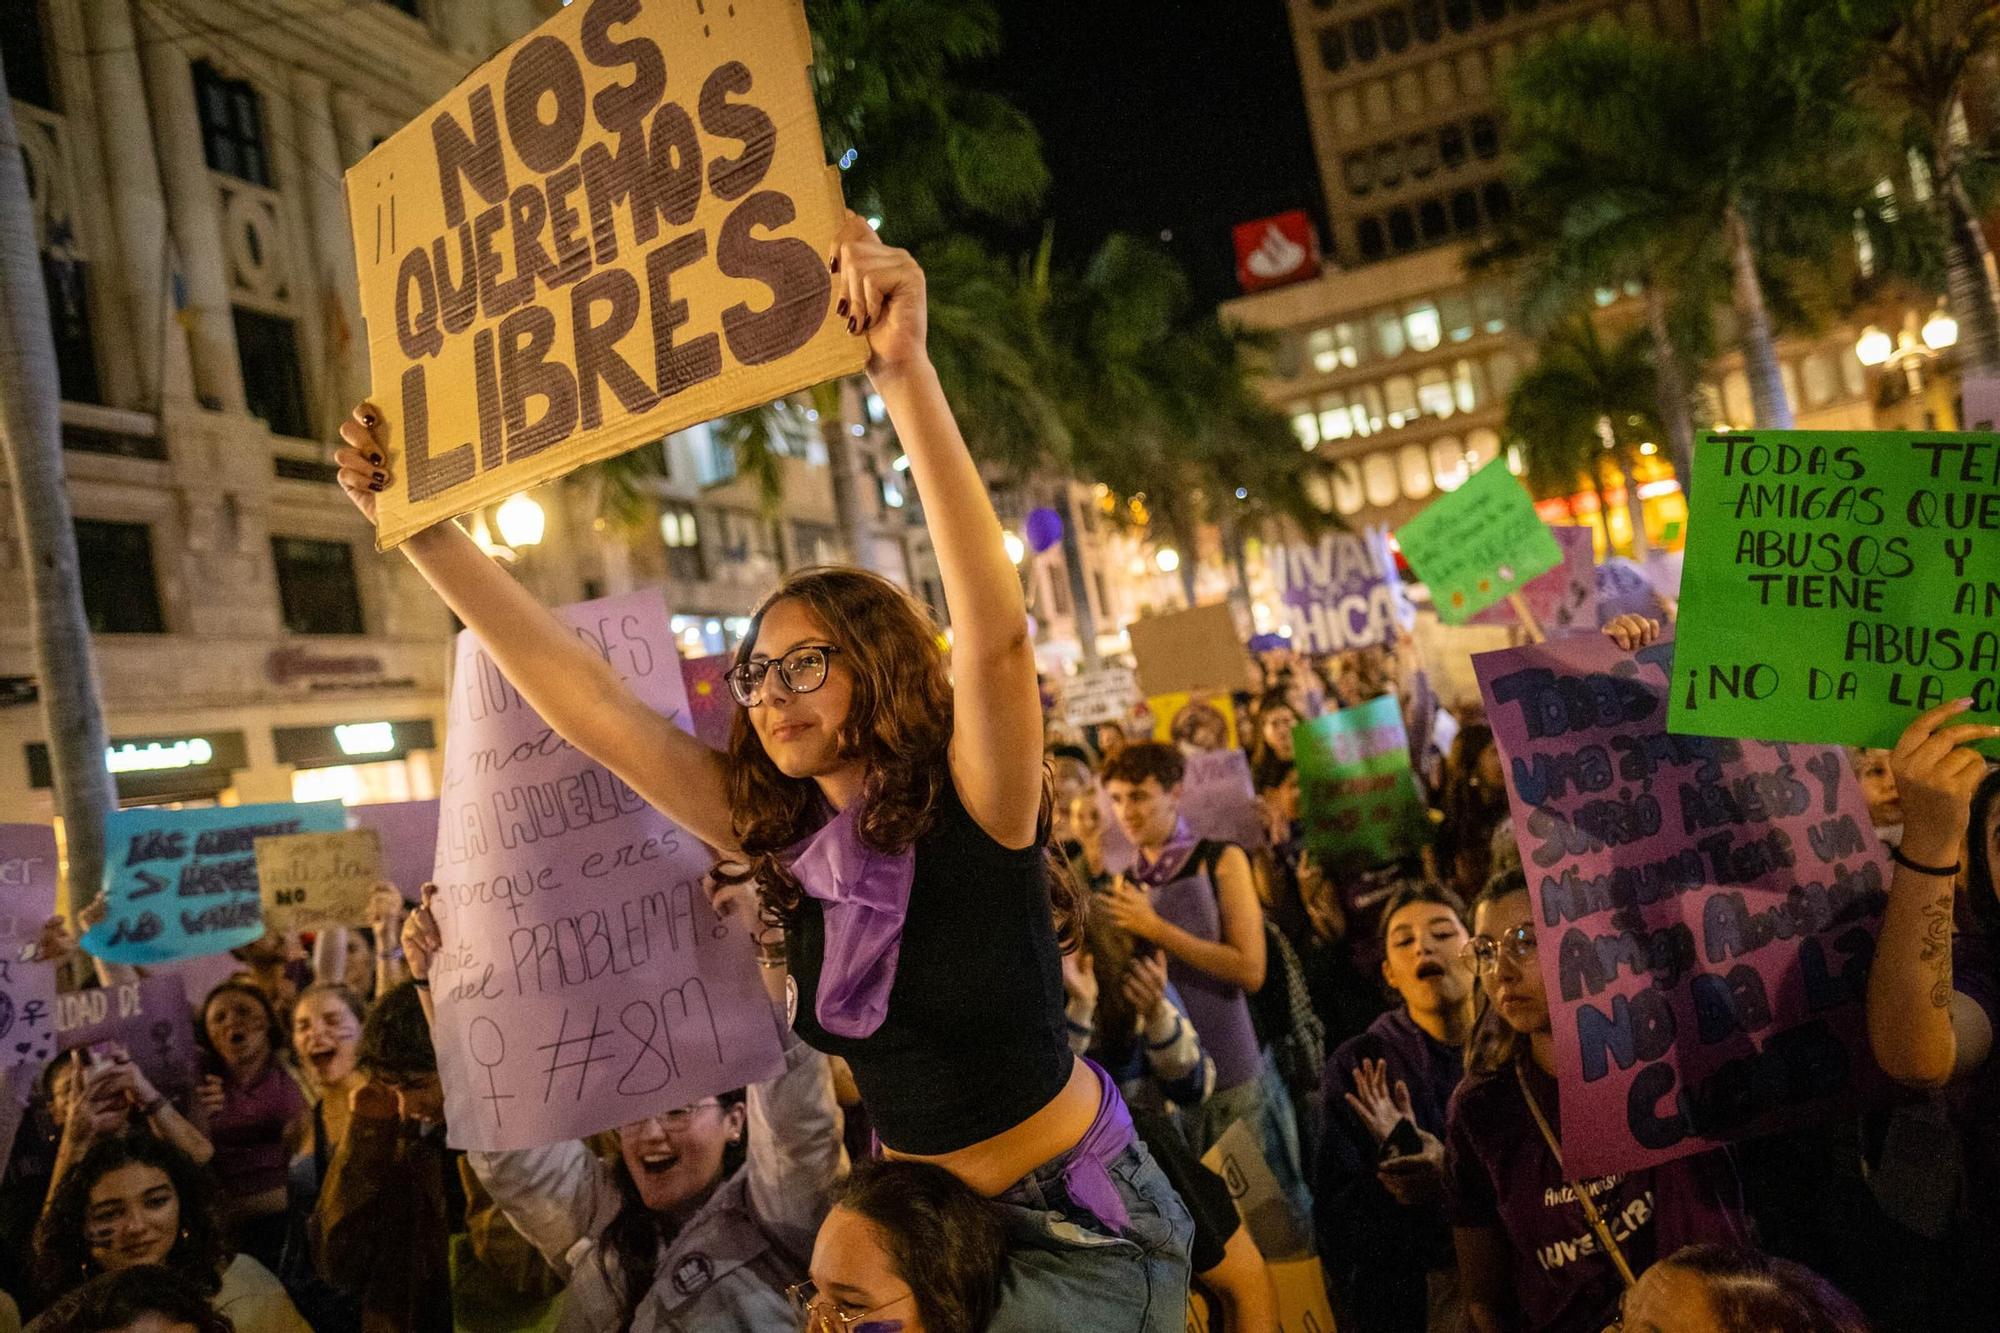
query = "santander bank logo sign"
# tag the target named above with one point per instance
(1271, 252)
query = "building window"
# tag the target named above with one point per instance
(1378, 476)
(1334, 421)
(1395, 27)
(1434, 393)
(1361, 37)
(1348, 496)
(1448, 462)
(268, 351)
(1389, 332)
(1424, 18)
(1305, 425)
(316, 586)
(1420, 155)
(409, 7)
(64, 278)
(232, 128)
(1443, 87)
(1490, 306)
(1467, 385)
(1455, 313)
(1358, 175)
(682, 535)
(1332, 48)
(1501, 369)
(1415, 466)
(1485, 137)
(121, 594)
(1369, 240)
(1458, 13)
(1400, 398)
(1464, 211)
(815, 544)
(1431, 221)
(1402, 230)
(25, 55)
(1421, 326)
(1389, 164)
(714, 457)
(1493, 10)
(1499, 201)
(1451, 147)
(1347, 112)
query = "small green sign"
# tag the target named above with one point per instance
(1838, 583)
(1360, 802)
(1478, 544)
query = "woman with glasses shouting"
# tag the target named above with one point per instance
(1538, 1249)
(891, 805)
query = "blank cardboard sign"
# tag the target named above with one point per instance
(616, 228)
(1188, 652)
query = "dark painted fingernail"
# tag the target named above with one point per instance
(842, 307)
(836, 263)
(867, 323)
(852, 327)
(377, 485)
(376, 459)
(367, 418)
(382, 477)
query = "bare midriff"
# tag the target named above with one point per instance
(992, 1165)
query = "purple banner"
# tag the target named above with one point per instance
(1340, 593)
(1706, 909)
(149, 1018)
(409, 831)
(584, 980)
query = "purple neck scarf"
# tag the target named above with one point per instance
(1173, 858)
(864, 896)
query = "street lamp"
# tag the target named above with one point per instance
(1912, 348)
(1168, 559)
(521, 521)
(1017, 550)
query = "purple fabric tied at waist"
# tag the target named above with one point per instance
(1086, 1168)
(864, 896)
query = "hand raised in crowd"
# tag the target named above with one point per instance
(879, 289)
(1079, 983)
(1145, 985)
(421, 938)
(1126, 905)
(362, 465)
(1412, 1178)
(93, 1114)
(1372, 1100)
(1633, 632)
(386, 910)
(375, 1101)
(1936, 772)
(210, 1095)
(1417, 1178)
(54, 944)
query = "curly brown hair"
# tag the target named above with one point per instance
(898, 722)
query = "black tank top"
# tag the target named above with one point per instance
(973, 1041)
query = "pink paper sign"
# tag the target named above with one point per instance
(1706, 909)
(409, 831)
(584, 980)
(27, 880)
(1564, 600)
(150, 1019)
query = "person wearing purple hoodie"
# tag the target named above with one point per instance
(1378, 1187)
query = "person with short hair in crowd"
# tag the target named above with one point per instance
(1378, 1185)
(1734, 1289)
(134, 1200)
(890, 802)
(908, 1247)
(147, 1298)
(1475, 807)
(1537, 1248)
(251, 1102)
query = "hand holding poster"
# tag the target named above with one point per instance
(615, 228)
(584, 980)
(1837, 584)
(183, 883)
(1479, 544)
(1358, 795)
(313, 880)
(1562, 601)
(149, 1018)
(1341, 593)
(1706, 909)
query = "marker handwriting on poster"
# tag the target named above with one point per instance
(1706, 908)
(615, 228)
(584, 979)
(310, 881)
(1358, 794)
(149, 1018)
(27, 880)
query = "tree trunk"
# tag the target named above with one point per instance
(1676, 410)
(1079, 581)
(1753, 329)
(1635, 508)
(839, 411)
(1603, 507)
(31, 432)
(1969, 278)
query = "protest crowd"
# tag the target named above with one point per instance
(1275, 988)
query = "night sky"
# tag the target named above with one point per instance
(1182, 116)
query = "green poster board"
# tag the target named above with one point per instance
(1837, 584)
(1478, 544)
(1361, 806)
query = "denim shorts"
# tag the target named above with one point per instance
(1067, 1271)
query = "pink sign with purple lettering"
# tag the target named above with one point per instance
(1706, 909)
(1564, 600)
(584, 981)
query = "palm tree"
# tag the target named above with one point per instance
(1698, 167)
(1917, 78)
(32, 436)
(1584, 404)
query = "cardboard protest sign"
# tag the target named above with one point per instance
(27, 880)
(408, 832)
(182, 883)
(1303, 1306)
(1706, 909)
(616, 228)
(710, 704)
(1562, 601)
(1238, 1157)
(1341, 593)
(310, 881)
(584, 980)
(150, 1019)
(1838, 583)
(1218, 801)
(1108, 694)
(1358, 795)
(1479, 544)
(1190, 651)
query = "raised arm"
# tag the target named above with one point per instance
(996, 747)
(1923, 1031)
(570, 685)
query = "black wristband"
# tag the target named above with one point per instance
(1941, 872)
(421, 983)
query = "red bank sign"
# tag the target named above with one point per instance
(1271, 252)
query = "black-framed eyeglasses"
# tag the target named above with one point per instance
(803, 670)
(1482, 953)
(817, 1315)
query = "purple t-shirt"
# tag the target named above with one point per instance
(1499, 1173)
(1975, 1103)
